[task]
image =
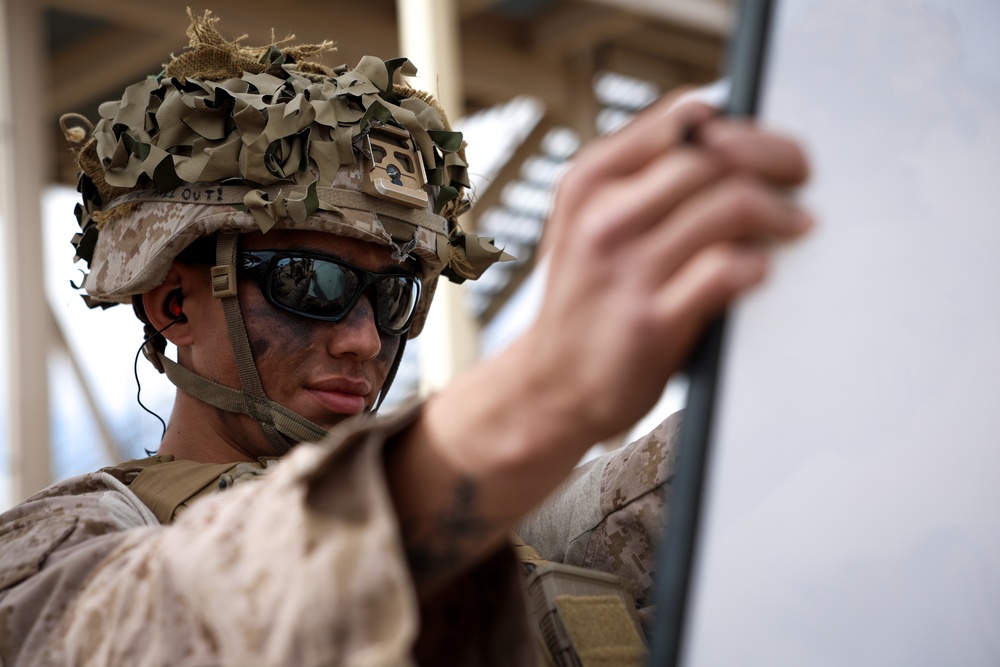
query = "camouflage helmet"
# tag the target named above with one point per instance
(235, 138)
(229, 139)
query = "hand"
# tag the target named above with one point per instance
(650, 238)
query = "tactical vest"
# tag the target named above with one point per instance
(168, 487)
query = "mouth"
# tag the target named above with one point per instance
(340, 396)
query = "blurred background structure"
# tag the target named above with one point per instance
(534, 79)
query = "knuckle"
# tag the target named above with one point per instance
(728, 270)
(741, 268)
(606, 232)
(578, 181)
(800, 162)
(569, 184)
(748, 195)
(710, 161)
(743, 202)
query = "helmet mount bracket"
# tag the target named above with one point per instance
(394, 168)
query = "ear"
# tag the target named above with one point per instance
(155, 303)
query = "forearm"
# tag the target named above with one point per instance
(473, 464)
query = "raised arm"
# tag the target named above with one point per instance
(654, 230)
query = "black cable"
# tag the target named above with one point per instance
(138, 385)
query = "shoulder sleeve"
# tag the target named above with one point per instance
(49, 545)
(305, 567)
(610, 513)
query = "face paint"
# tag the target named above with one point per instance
(271, 325)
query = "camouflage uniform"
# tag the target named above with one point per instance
(305, 567)
(609, 514)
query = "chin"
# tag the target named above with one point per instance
(328, 421)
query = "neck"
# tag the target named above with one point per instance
(199, 432)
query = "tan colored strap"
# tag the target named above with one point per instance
(525, 552)
(290, 424)
(256, 401)
(165, 487)
(601, 631)
(226, 257)
(330, 199)
(295, 426)
(134, 466)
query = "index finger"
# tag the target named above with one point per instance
(742, 146)
(654, 131)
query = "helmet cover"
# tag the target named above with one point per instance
(235, 138)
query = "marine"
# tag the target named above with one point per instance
(282, 225)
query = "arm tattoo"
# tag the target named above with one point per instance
(449, 538)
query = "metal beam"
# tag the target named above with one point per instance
(22, 169)
(712, 16)
(429, 35)
(574, 29)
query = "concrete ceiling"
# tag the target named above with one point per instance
(547, 48)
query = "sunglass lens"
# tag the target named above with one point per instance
(397, 298)
(314, 287)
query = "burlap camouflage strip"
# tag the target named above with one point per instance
(259, 118)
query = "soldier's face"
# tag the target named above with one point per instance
(324, 371)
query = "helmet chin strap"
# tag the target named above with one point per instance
(390, 376)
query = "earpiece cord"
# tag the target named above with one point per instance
(138, 392)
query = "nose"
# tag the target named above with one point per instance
(356, 335)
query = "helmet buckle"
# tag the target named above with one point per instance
(223, 281)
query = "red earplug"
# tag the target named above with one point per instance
(172, 306)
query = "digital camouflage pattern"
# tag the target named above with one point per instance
(303, 567)
(139, 257)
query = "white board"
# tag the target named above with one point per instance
(852, 514)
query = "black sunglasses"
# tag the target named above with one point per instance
(324, 288)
